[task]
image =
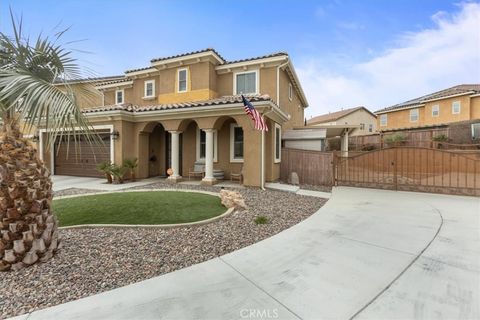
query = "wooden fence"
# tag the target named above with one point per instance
(312, 167)
(412, 169)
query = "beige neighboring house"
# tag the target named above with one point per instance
(185, 112)
(358, 116)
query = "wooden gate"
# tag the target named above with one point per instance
(412, 169)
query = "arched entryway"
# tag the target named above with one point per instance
(154, 153)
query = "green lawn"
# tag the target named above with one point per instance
(159, 207)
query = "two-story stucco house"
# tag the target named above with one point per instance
(459, 103)
(187, 109)
(360, 116)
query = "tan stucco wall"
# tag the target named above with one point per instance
(475, 108)
(292, 107)
(358, 117)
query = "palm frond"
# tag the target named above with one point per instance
(34, 82)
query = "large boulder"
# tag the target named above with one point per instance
(232, 199)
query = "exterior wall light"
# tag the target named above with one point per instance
(115, 135)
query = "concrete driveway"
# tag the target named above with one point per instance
(367, 254)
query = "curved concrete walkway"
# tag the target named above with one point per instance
(367, 253)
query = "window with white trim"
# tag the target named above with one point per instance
(278, 143)
(435, 110)
(476, 131)
(456, 107)
(236, 143)
(119, 96)
(149, 89)
(290, 92)
(370, 127)
(202, 145)
(182, 79)
(383, 120)
(246, 82)
(413, 115)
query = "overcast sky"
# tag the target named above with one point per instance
(346, 53)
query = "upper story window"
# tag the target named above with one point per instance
(370, 127)
(362, 126)
(236, 143)
(435, 110)
(278, 143)
(149, 89)
(383, 120)
(290, 92)
(182, 80)
(414, 115)
(246, 82)
(456, 107)
(119, 96)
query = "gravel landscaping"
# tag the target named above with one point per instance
(96, 260)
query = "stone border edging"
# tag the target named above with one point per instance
(160, 226)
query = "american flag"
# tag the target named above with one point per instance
(257, 118)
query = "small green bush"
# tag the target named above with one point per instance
(395, 138)
(440, 137)
(261, 220)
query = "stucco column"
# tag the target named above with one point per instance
(208, 179)
(344, 144)
(175, 141)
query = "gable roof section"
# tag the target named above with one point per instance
(459, 90)
(329, 117)
(189, 54)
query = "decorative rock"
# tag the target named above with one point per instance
(232, 199)
(13, 227)
(294, 179)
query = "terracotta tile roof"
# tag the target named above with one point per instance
(124, 79)
(329, 117)
(463, 88)
(276, 54)
(212, 102)
(187, 54)
(91, 79)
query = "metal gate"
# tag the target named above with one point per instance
(412, 169)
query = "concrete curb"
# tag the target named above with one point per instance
(160, 226)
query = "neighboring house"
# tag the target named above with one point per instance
(187, 109)
(359, 116)
(457, 104)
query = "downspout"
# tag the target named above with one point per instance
(263, 132)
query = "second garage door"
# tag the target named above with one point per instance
(82, 157)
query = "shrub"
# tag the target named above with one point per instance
(261, 220)
(440, 137)
(130, 165)
(118, 172)
(395, 139)
(105, 167)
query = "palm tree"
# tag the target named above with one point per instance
(30, 95)
(131, 165)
